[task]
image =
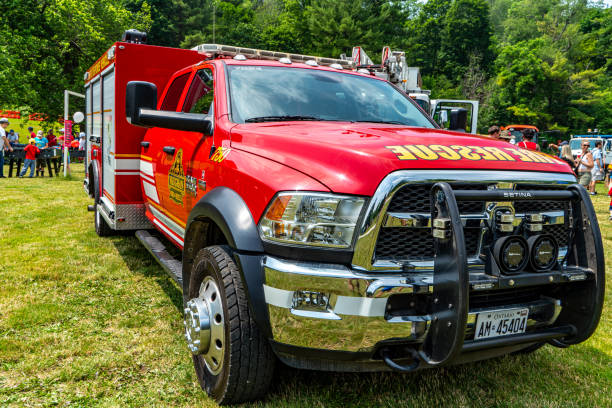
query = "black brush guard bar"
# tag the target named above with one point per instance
(578, 319)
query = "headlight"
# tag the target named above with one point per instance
(317, 219)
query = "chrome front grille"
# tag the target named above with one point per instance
(415, 198)
(401, 244)
(416, 243)
(397, 227)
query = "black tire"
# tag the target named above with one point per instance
(102, 228)
(248, 362)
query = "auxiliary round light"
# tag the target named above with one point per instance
(511, 253)
(543, 252)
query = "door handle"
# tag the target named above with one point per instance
(145, 144)
(169, 149)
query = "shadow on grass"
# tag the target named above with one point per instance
(139, 261)
(481, 383)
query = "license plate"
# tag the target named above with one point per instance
(500, 323)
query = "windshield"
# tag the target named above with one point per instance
(576, 144)
(262, 94)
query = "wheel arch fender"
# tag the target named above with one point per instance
(228, 211)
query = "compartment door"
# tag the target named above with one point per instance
(108, 136)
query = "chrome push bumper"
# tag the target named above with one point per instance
(331, 307)
(334, 308)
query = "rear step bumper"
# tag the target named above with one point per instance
(156, 248)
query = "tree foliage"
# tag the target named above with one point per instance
(543, 62)
(48, 45)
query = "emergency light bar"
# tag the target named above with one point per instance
(231, 51)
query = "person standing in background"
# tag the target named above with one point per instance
(567, 156)
(585, 165)
(51, 138)
(42, 143)
(30, 158)
(82, 141)
(4, 144)
(13, 138)
(494, 132)
(528, 143)
(598, 166)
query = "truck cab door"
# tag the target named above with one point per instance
(184, 157)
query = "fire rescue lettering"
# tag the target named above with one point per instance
(98, 66)
(176, 179)
(458, 152)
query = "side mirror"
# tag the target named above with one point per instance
(443, 117)
(458, 119)
(140, 110)
(139, 95)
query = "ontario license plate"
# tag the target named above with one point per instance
(500, 323)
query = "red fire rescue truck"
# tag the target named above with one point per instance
(324, 220)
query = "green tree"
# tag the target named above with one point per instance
(168, 19)
(284, 26)
(424, 36)
(336, 26)
(467, 34)
(47, 46)
(233, 25)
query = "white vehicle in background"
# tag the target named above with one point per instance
(577, 140)
(452, 114)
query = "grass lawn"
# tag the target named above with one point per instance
(89, 321)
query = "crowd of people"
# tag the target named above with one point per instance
(36, 142)
(590, 166)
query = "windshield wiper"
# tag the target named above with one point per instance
(280, 118)
(392, 122)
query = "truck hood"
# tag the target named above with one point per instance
(353, 158)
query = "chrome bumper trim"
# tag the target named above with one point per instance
(340, 280)
(342, 305)
(354, 317)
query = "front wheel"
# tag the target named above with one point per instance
(233, 360)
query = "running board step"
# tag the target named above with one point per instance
(156, 248)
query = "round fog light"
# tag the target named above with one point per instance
(543, 251)
(511, 253)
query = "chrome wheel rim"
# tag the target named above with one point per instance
(204, 325)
